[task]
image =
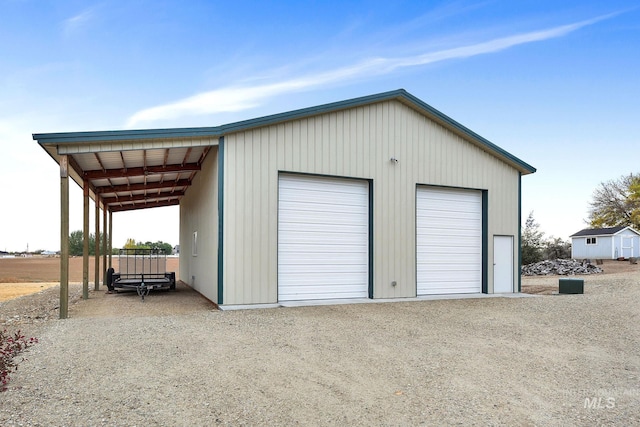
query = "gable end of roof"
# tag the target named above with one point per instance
(400, 95)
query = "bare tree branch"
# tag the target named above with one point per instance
(616, 203)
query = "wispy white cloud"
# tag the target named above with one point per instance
(243, 97)
(76, 22)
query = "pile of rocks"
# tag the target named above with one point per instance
(563, 267)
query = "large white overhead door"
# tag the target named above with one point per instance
(449, 241)
(323, 238)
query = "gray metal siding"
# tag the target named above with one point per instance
(356, 143)
(199, 213)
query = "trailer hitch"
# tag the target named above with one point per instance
(143, 290)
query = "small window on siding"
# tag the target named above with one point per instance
(195, 244)
(591, 240)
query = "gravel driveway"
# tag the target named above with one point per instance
(544, 360)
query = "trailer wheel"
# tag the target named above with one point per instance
(110, 272)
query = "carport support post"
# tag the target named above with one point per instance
(104, 246)
(110, 239)
(97, 246)
(64, 237)
(85, 241)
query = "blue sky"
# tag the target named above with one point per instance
(553, 82)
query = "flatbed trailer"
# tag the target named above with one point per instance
(142, 270)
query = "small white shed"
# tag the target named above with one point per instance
(605, 243)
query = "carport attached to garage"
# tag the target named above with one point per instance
(386, 144)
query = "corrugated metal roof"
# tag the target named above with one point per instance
(136, 179)
(134, 169)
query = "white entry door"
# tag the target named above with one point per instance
(502, 264)
(627, 246)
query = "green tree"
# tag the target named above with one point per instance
(132, 244)
(616, 203)
(532, 241)
(634, 196)
(76, 243)
(556, 248)
(166, 247)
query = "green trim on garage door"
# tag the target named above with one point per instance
(220, 219)
(485, 241)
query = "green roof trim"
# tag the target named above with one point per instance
(219, 131)
(124, 135)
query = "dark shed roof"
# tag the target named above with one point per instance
(598, 231)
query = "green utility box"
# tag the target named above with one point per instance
(571, 286)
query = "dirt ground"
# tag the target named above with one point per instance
(14, 290)
(548, 285)
(24, 276)
(174, 359)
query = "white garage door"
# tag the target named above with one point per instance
(323, 238)
(449, 241)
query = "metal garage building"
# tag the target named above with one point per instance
(376, 197)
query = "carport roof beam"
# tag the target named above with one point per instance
(140, 187)
(123, 199)
(141, 171)
(130, 207)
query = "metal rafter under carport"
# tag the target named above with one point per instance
(121, 171)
